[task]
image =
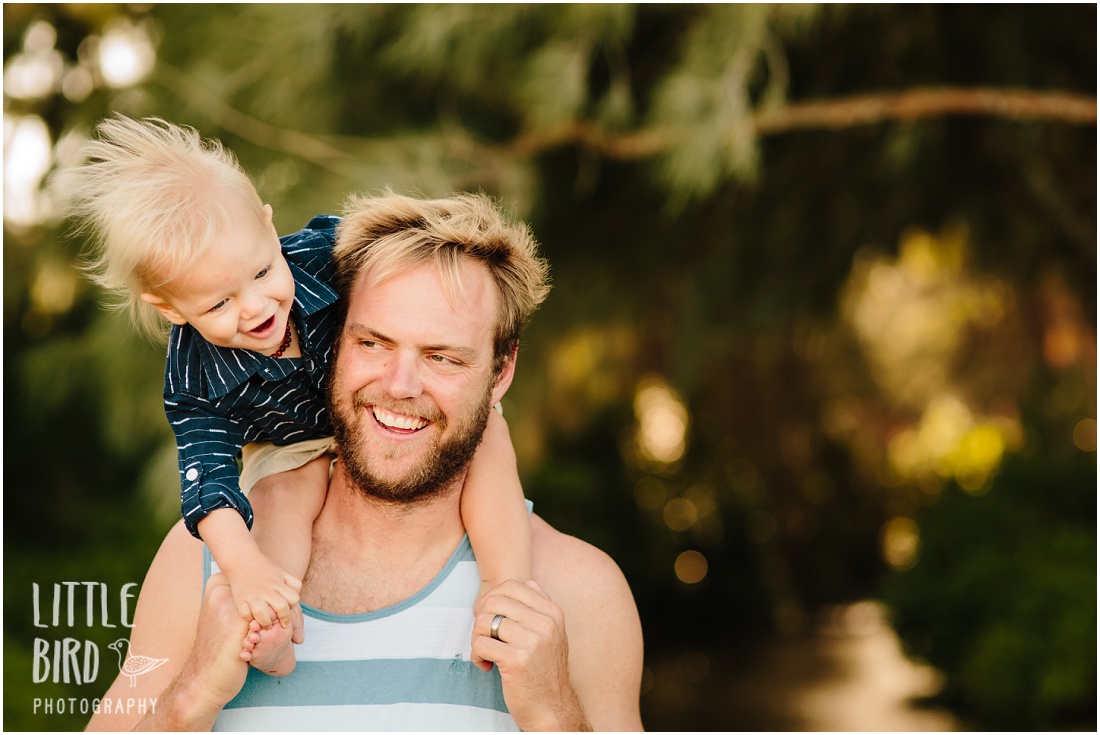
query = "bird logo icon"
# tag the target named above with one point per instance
(131, 664)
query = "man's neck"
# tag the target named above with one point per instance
(369, 554)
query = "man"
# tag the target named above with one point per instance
(435, 294)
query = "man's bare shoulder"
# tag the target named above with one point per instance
(571, 569)
(605, 633)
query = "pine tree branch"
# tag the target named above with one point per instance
(1012, 104)
(303, 145)
(835, 114)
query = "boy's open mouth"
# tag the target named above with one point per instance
(265, 326)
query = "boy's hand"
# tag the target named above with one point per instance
(263, 592)
(259, 585)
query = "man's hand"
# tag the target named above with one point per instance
(216, 657)
(212, 674)
(532, 654)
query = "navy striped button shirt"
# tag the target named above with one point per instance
(219, 399)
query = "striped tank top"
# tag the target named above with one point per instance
(402, 668)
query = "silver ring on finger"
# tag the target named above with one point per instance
(494, 629)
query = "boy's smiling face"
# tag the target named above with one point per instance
(238, 294)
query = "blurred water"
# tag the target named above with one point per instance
(847, 673)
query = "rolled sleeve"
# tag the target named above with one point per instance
(205, 490)
(208, 444)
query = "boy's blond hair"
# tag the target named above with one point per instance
(391, 234)
(155, 197)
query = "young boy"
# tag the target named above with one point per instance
(183, 236)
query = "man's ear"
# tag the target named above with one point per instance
(504, 377)
(164, 308)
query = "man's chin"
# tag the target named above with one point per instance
(393, 475)
(397, 460)
(401, 488)
(404, 474)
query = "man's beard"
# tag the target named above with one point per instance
(433, 475)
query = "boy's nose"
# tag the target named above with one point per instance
(252, 303)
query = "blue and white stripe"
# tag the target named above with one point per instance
(403, 668)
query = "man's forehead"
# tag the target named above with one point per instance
(422, 298)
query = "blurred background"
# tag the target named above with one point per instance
(818, 369)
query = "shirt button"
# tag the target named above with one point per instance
(191, 474)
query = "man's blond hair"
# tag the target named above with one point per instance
(389, 234)
(154, 196)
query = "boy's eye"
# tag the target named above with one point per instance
(263, 273)
(217, 306)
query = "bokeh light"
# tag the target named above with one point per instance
(911, 312)
(54, 288)
(662, 423)
(40, 37)
(680, 514)
(36, 71)
(950, 443)
(27, 156)
(77, 84)
(1084, 435)
(126, 54)
(901, 543)
(691, 567)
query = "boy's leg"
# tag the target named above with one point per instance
(284, 507)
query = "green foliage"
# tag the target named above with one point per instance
(1003, 598)
(116, 366)
(731, 64)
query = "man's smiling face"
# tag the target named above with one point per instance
(412, 384)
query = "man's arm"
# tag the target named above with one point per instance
(570, 645)
(198, 677)
(602, 623)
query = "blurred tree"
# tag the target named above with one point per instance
(812, 264)
(1013, 577)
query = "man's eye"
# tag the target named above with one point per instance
(442, 360)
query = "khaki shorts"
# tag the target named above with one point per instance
(262, 459)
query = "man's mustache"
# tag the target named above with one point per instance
(424, 409)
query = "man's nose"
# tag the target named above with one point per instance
(403, 376)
